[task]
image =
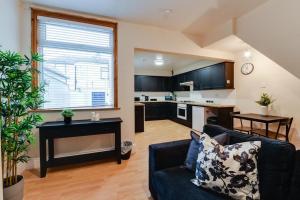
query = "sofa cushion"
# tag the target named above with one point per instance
(231, 169)
(175, 183)
(191, 157)
(275, 162)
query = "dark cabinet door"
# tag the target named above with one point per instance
(149, 83)
(139, 119)
(157, 110)
(177, 79)
(137, 83)
(205, 77)
(167, 84)
(196, 78)
(152, 83)
(189, 114)
(175, 84)
(217, 76)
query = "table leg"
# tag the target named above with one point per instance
(43, 161)
(51, 148)
(267, 129)
(118, 143)
(251, 126)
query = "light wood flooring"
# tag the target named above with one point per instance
(105, 180)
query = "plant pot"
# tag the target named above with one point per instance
(14, 192)
(264, 110)
(67, 120)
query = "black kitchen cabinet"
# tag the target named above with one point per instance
(217, 76)
(173, 111)
(205, 78)
(176, 80)
(189, 114)
(152, 83)
(137, 83)
(139, 118)
(156, 110)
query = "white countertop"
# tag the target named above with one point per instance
(213, 105)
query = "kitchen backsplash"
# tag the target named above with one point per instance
(160, 96)
(217, 96)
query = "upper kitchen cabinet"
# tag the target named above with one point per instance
(217, 76)
(151, 83)
(177, 79)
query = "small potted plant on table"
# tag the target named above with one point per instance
(264, 102)
(67, 114)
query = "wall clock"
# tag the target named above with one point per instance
(247, 68)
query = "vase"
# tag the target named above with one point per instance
(264, 110)
(14, 192)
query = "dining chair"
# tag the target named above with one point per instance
(241, 128)
(286, 123)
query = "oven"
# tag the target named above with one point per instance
(181, 111)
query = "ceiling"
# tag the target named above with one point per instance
(231, 44)
(189, 16)
(144, 59)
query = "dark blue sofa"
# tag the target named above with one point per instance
(278, 168)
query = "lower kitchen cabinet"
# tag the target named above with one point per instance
(139, 118)
(156, 110)
(167, 110)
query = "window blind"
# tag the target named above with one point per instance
(78, 63)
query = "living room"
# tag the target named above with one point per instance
(232, 31)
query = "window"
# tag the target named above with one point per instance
(79, 61)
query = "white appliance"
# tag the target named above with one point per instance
(181, 111)
(200, 115)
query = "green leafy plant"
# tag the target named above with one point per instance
(265, 100)
(18, 101)
(67, 113)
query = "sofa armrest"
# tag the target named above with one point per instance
(166, 155)
(295, 183)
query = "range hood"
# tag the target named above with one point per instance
(189, 84)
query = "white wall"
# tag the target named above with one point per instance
(274, 29)
(152, 72)
(9, 38)
(271, 78)
(131, 36)
(197, 65)
(9, 23)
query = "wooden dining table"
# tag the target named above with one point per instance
(266, 119)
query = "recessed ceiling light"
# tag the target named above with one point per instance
(158, 62)
(167, 11)
(247, 54)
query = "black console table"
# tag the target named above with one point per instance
(53, 130)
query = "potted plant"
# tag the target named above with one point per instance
(67, 114)
(264, 101)
(18, 101)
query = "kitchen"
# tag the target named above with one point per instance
(188, 90)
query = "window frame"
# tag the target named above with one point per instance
(35, 13)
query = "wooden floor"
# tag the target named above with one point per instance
(105, 180)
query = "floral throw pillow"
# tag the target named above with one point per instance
(230, 170)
